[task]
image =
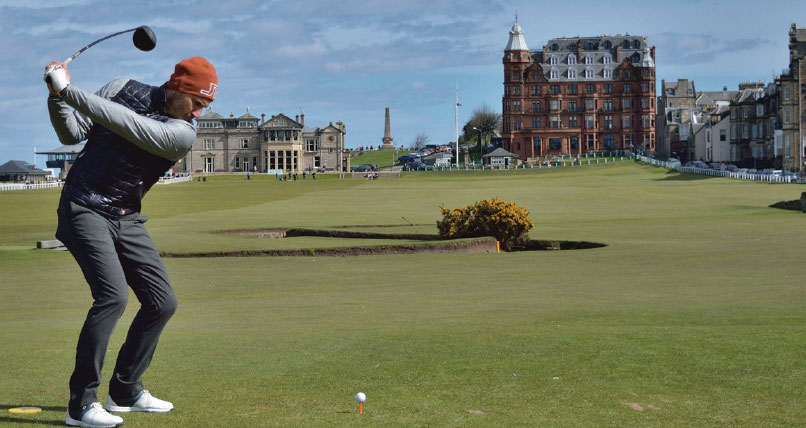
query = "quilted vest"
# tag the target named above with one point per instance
(111, 175)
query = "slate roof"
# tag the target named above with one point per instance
(500, 153)
(71, 149)
(679, 88)
(712, 97)
(20, 167)
(571, 53)
(211, 115)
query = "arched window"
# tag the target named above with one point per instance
(553, 60)
(608, 44)
(607, 59)
(588, 59)
(636, 44)
(589, 46)
(572, 59)
(625, 44)
(635, 58)
(555, 47)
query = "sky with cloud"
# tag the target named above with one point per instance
(346, 61)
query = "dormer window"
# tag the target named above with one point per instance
(608, 44)
(572, 59)
(608, 73)
(588, 59)
(589, 73)
(572, 73)
(555, 74)
(553, 60)
(636, 44)
(589, 46)
(607, 59)
(555, 47)
(625, 44)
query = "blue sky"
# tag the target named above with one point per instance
(348, 60)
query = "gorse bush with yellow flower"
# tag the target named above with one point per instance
(506, 221)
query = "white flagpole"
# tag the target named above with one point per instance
(456, 119)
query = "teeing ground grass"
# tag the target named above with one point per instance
(693, 315)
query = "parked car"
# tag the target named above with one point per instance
(408, 158)
(416, 165)
(700, 164)
(673, 160)
(752, 171)
(360, 168)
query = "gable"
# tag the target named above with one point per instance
(281, 121)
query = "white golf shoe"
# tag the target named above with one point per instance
(94, 416)
(145, 403)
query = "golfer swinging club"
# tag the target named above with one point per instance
(135, 133)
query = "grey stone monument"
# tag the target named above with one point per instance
(388, 141)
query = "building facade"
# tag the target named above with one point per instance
(792, 99)
(676, 105)
(753, 124)
(711, 127)
(277, 145)
(578, 95)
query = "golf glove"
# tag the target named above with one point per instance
(57, 77)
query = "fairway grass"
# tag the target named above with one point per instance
(693, 315)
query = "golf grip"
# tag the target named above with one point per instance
(68, 60)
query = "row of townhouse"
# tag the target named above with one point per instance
(758, 126)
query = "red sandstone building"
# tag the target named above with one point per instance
(578, 95)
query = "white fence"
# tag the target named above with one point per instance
(22, 186)
(170, 180)
(719, 173)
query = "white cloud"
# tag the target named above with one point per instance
(15, 4)
(316, 47)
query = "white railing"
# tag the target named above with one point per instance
(719, 173)
(170, 180)
(23, 186)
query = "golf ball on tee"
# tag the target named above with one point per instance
(360, 397)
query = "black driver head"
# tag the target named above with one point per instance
(144, 38)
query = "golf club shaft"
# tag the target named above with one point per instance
(67, 61)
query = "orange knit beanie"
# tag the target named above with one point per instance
(194, 76)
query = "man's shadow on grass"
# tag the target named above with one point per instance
(681, 176)
(24, 419)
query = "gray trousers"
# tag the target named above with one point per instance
(115, 255)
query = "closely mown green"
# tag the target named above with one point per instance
(694, 315)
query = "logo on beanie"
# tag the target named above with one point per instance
(210, 92)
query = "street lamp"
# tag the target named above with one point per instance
(477, 129)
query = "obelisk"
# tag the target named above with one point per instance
(388, 141)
